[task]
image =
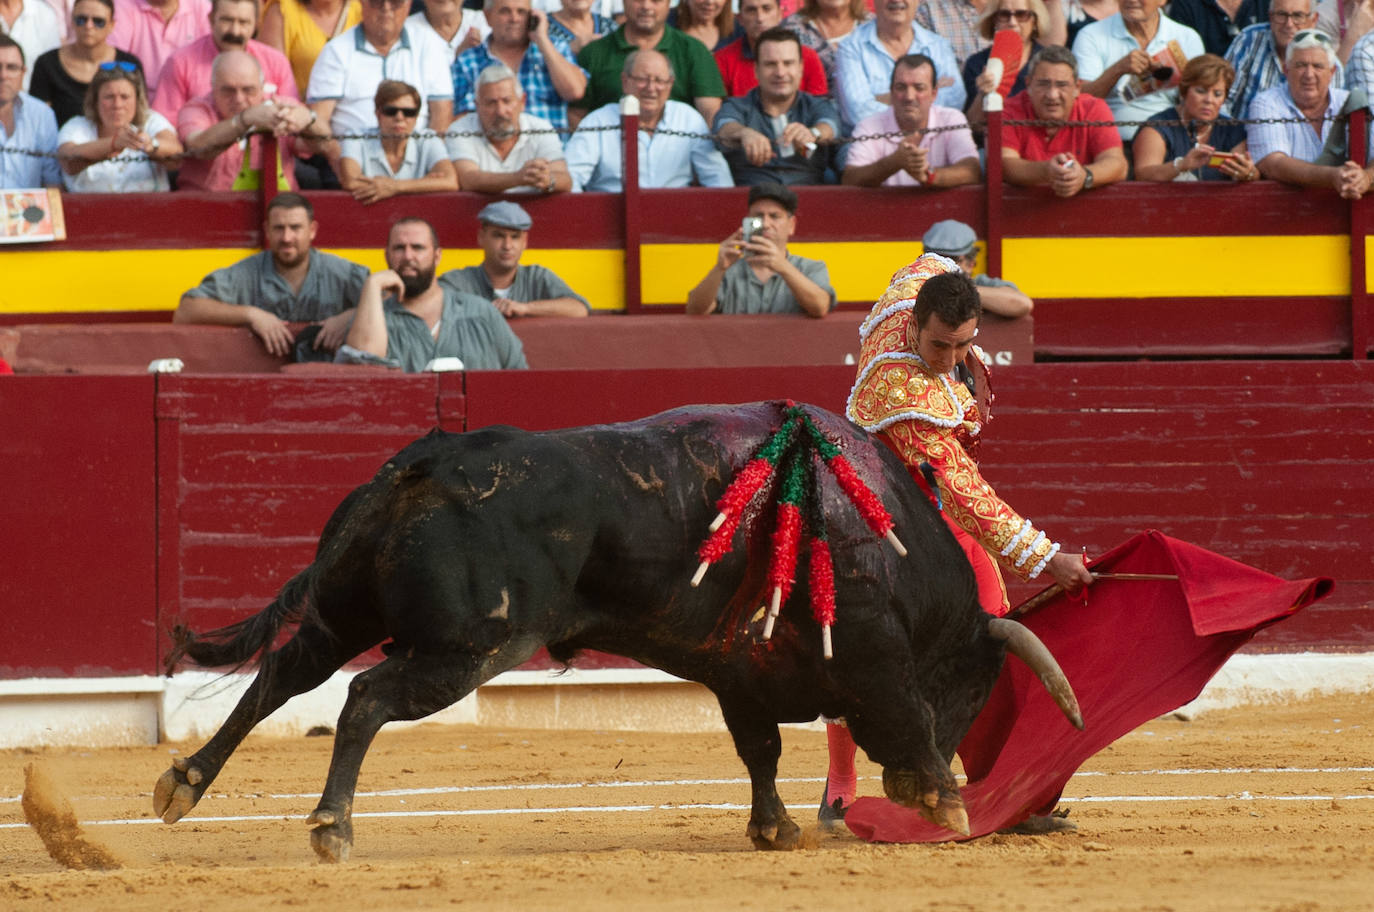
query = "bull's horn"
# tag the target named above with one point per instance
(1027, 647)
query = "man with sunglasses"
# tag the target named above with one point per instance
(25, 124)
(1257, 52)
(1294, 150)
(233, 23)
(33, 25)
(1126, 60)
(153, 30)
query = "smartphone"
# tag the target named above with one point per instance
(1218, 158)
(751, 226)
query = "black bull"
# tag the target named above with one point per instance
(469, 552)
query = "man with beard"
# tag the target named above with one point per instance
(917, 158)
(516, 151)
(772, 132)
(548, 74)
(513, 289)
(864, 61)
(407, 319)
(288, 282)
(1060, 152)
(186, 74)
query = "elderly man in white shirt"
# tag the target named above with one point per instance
(594, 151)
(1114, 51)
(501, 149)
(344, 80)
(34, 25)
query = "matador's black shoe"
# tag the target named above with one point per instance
(831, 813)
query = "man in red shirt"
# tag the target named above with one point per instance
(1069, 159)
(736, 59)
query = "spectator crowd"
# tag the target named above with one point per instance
(386, 97)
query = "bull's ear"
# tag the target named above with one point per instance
(489, 635)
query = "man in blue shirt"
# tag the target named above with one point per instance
(1257, 52)
(26, 125)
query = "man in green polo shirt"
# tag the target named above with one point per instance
(697, 79)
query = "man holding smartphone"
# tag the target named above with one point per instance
(754, 273)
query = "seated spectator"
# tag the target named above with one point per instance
(696, 81)
(301, 28)
(26, 124)
(754, 273)
(290, 281)
(34, 26)
(1068, 159)
(712, 22)
(918, 158)
(548, 74)
(515, 290)
(736, 60)
(1257, 52)
(1292, 151)
(1126, 60)
(186, 74)
(1031, 21)
(516, 152)
(61, 75)
(577, 25)
(392, 159)
(864, 61)
(772, 133)
(675, 157)
(214, 130)
(152, 30)
(1361, 72)
(408, 319)
(1183, 151)
(1077, 15)
(823, 24)
(955, 240)
(1215, 24)
(344, 80)
(452, 23)
(1344, 22)
(120, 145)
(958, 21)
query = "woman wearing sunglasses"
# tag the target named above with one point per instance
(1031, 20)
(392, 159)
(119, 145)
(60, 76)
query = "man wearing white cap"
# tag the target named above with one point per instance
(515, 290)
(954, 239)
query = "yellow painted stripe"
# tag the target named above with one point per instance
(1157, 267)
(90, 281)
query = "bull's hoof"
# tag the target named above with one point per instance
(946, 810)
(780, 836)
(178, 790)
(332, 836)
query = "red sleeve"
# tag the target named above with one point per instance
(813, 73)
(1100, 139)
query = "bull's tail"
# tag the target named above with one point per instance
(239, 643)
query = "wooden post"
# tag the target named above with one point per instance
(1359, 230)
(992, 146)
(267, 174)
(629, 139)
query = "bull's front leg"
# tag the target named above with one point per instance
(759, 744)
(914, 773)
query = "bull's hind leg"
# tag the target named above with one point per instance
(759, 744)
(403, 687)
(303, 663)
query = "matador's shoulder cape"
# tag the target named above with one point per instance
(934, 418)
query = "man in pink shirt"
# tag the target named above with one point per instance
(1067, 159)
(215, 130)
(186, 74)
(152, 30)
(918, 158)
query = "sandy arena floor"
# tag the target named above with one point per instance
(1266, 809)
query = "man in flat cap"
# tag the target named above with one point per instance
(958, 242)
(515, 290)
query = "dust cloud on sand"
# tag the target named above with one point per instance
(50, 815)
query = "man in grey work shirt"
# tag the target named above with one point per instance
(757, 275)
(407, 319)
(288, 282)
(515, 290)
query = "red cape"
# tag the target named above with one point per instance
(1137, 650)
